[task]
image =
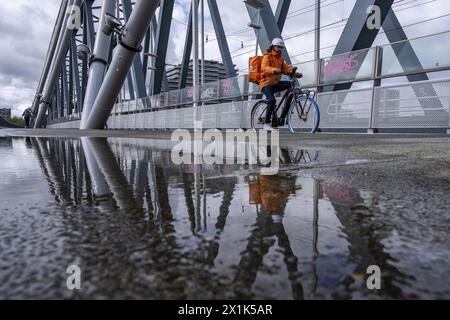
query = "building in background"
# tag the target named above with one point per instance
(214, 71)
(5, 113)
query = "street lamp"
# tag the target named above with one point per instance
(257, 27)
(258, 5)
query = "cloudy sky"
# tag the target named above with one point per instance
(26, 26)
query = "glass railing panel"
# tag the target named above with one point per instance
(348, 67)
(210, 91)
(309, 71)
(229, 89)
(422, 54)
(187, 95)
(173, 98)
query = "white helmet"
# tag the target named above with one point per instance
(278, 42)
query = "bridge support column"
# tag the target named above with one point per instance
(99, 62)
(129, 45)
(60, 56)
(51, 52)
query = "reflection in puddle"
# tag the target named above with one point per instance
(141, 227)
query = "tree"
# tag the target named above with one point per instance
(18, 121)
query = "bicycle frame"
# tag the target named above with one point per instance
(296, 93)
(303, 104)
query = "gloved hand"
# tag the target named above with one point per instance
(299, 75)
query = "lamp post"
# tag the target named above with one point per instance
(195, 64)
(257, 5)
(317, 32)
(202, 54)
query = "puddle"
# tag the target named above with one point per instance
(140, 227)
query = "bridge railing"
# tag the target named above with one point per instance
(425, 100)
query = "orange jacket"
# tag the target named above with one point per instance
(270, 193)
(272, 64)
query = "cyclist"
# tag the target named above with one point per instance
(27, 117)
(272, 66)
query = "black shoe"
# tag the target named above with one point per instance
(275, 123)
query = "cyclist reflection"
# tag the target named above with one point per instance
(270, 194)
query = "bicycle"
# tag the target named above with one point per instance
(296, 101)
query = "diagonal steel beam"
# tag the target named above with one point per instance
(154, 35)
(88, 25)
(282, 12)
(186, 53)
(221, 39)
(162, 41)
(136, 70)
(269, 26)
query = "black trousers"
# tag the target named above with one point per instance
(269, 92)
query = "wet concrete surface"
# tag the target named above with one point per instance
(141, 227)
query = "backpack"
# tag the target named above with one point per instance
(254, 70)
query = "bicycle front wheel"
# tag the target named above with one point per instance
(259, 115)
(304, 115)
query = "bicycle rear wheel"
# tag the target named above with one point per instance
(259, 115)
(309, 120)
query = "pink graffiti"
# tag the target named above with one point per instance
(226, 87)
(190, 92)
(338, 192)
(338, 66)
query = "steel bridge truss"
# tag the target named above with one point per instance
(119, 52)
